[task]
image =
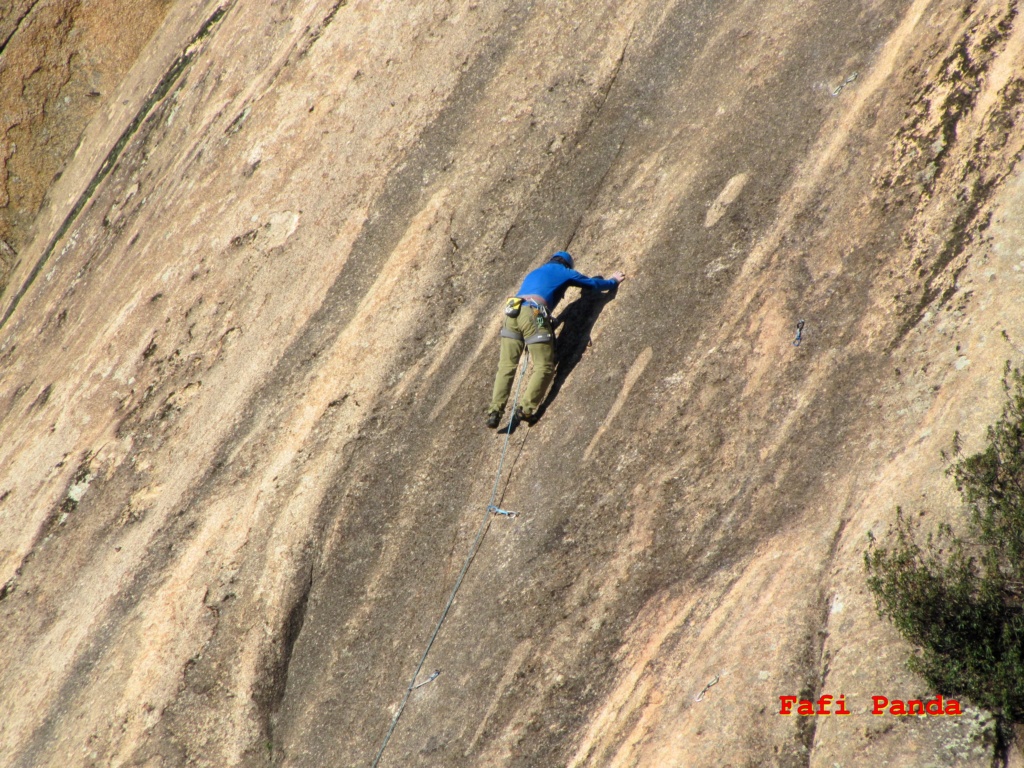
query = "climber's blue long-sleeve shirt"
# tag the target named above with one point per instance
(551, 280)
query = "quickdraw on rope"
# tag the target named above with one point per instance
(499, 511)
(799, 333)
(707, 687)
(430, 679)
(492, 508)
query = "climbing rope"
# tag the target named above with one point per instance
(491, 509)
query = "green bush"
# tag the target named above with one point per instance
(960, 600)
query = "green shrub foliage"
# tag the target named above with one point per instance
(959, 600)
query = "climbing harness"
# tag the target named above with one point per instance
(508, 333)
(542, 310)
(492, 508)
(799, 333)
(542, 336)
(700, 695)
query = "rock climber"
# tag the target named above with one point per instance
(528, 323)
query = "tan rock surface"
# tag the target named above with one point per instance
(59, 62)
(243, 364)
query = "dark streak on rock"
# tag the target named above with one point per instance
(269, 700)
(245, 239)
(236, 125)
(17, 26)
(315, 32)
(42, 397)
(162, 89)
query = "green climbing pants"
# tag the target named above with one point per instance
(529, 323)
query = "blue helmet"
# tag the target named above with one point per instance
(566, 257)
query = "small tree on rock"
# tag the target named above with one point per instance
(960, 600)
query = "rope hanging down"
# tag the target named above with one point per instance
(491, 509)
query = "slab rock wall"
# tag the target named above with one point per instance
(245, 356)
(59, 61)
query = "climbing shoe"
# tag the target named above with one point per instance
(492, 419)
(528, 418)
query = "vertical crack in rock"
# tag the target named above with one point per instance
(818, 659)
(585, 131)
(170, 77)
(278, 658)
(607, 88)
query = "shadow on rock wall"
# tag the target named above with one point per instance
(576, 322)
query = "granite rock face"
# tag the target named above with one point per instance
(250, 337)
(59, 60)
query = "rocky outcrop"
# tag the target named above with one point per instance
(244, 361)
(59, 62)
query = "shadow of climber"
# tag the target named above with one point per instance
(574, 327)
